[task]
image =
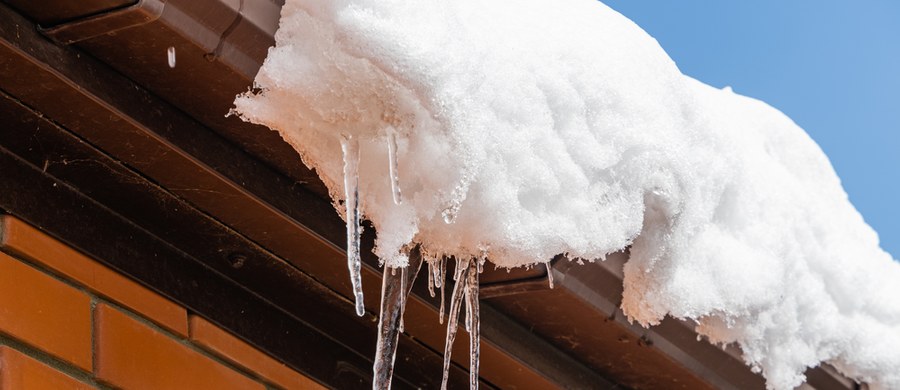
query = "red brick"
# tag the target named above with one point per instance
(134, 356)
(223, 344)
(20, 372)
(22, 239)
(44, 312)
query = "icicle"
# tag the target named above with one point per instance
(468, 303)
(457, 273)
(403, 272)
(549, 274)
(473, 318)
(392, 157)
(408, 282)
(388, 331)
(477, 266)
(394, 290)
(453, 318)
(350, 148)
(442, 281)
(432, 264)
(170, 54)
(465, 288)
(439, 272)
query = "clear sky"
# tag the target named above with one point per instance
(832, 66)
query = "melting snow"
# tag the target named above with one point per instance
(519, 131)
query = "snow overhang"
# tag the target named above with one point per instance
(566, 337)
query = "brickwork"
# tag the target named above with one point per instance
(69, 322)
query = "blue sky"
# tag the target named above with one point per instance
(832, 66)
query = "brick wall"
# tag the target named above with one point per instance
(68, 322)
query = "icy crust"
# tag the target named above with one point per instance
(537, 128)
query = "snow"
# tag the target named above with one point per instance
(526, 130)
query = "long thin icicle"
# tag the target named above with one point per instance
(350, 149)
(456, 299)
(403, 272)
(432, 265)
(388, 330)
(474, 321)
(468, 320)
(392, 156)
(442, 281)
(395, 287)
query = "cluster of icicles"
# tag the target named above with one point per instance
(396, 288)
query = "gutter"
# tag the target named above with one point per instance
(227, 31)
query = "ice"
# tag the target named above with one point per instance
(388, 331)
(449, 213)
(441, 280)
(394, 290)
(549, 128)
(473, 321)
(456, 299)
(440, 272)
(403, 273)
(350, 150)
(392, 157)
(432, 269)
(170, 56)
(464, 282)
(435, 274)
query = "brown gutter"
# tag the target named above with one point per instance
(65, 11)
